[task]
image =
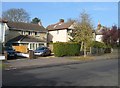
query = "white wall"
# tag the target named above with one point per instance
(99, 38)
(3, 31)
(58, 35)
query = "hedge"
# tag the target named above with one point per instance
(97, 44)
(100, 45)
(66, 49)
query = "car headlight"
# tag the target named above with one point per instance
(41, 52)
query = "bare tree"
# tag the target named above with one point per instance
(71, 20)
(16, 15)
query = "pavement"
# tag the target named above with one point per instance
(23, 63)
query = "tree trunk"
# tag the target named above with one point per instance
(81, 46)
(84, 50)
(90, 50)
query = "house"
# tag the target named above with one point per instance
(3, 26)
(99, 32)
(2, 34)
(29, 35)
(60, 32)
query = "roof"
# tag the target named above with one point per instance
(3, 20)
(25, 38)
(59, 26)
(25, 26)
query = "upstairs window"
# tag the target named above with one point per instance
(36, 33)
(23, 32)
(29, 33)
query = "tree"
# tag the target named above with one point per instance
(35, 20)
(110, 37)
(83, 31)
(16, 15)
(71, 20)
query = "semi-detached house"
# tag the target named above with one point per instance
(60, 32)
(29, 35)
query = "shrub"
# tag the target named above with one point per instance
(97, 44)
(66, 49)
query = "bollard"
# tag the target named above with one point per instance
(31, 54)
(6, 55)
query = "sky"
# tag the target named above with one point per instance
(50, 12)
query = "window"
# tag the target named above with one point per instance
(33, 46)
(23, 32)
(40, 45)
(29, 33)
(30, 46)
(35, 33)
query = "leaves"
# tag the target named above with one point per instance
(35, 20)
(111, 36)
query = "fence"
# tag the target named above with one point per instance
(21, 49)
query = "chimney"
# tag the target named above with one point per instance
(61, 21)
(39, 23)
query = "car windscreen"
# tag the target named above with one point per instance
(8, 48)
(42, 48)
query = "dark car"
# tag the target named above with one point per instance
(42, 51)
(10, 52)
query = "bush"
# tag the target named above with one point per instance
(66, 49)
(108, 49)
(97, 44)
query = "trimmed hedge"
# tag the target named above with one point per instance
(66, 49)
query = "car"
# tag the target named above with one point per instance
(10, 52)
(42, 51)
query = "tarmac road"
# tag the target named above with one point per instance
(93, 73)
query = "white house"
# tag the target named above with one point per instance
(60, 32)
(3, 30)
(3, 27)
(99, 33)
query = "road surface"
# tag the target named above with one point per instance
(93, 73)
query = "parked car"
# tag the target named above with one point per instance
(42, 51)
(10, 52)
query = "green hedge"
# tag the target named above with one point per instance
(66, 49)
(97, 44)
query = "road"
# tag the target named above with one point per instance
(94, 73)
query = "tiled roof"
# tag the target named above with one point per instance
(25, 26)
(25, 38)
(59, 25)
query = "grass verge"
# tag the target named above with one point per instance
(3, 65)
(82, 58)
